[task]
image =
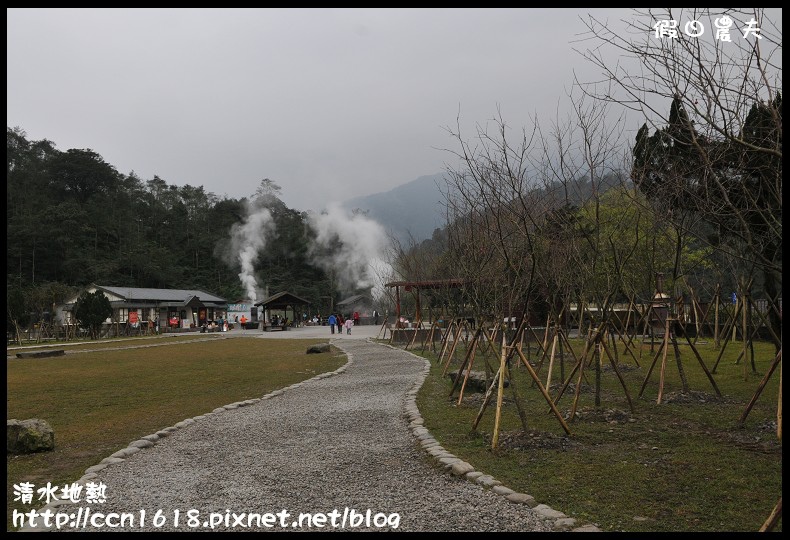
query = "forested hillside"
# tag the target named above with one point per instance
(73, 219)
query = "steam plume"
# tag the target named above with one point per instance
(350, 246)
(248, 238)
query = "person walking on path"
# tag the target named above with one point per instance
(340, 323)
(348, 324)
(332, 320)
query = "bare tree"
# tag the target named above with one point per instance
(714, 159)
(495, 210)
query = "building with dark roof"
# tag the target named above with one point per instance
(174, 308)
(281, 303)
(359, 303)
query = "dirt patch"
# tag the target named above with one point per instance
(531, 440)
(622, 368)
(692, 396)
(609, 416)
(476, 399)
(761, 438)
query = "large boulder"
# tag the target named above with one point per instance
(317, 349)
(29, 436)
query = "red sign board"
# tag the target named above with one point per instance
(132, 317)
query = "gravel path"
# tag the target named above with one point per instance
(331, 443)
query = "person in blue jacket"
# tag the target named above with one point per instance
(332, 320)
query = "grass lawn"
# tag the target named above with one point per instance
(683, 465)
(98, 402)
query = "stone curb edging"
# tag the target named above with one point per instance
(148, 441)
(458, 467)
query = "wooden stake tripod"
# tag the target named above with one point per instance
(751, 335)
(499, 383)
(434, 327)
(596, 343)
(776, 362)
(446, 345)
(776, 514)
(669, 336)
(417, 327)
(469, 361)
(382, 334)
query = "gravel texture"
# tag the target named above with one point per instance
(345, 441)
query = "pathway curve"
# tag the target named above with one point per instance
(340, 441)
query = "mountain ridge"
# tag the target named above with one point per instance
(409, 212)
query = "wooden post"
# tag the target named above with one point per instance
(468, 359)
(652, 330)
(613, 361)
(777, 361)
(597, 359)
(546, 333)
(491, 339)
(434, 326)
(486, 400)
(418, 314)
(704, 367)
(538, 343)
(665, 347)
(779, 407)
(562, 356)
(734, 322)
(767, 323)
(452, 350)
(695, 311)
(579, 361)
(578, 389)
(500, 395)
(744, 322)
(466, 379)
(397, 305)
(551, 360)
(773, 518)
(716, 301)
(517, 401)
(445, 342)
(735, 325)
(417, 327)
(681, 372)
(628, 324)
(543, 391)
(649, 372)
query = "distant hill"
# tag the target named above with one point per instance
(415, 208)
(412, 211)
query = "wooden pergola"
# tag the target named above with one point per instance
(415, 287)
(284, 301)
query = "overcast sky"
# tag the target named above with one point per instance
(328, 103)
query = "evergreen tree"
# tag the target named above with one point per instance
(91, 310)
